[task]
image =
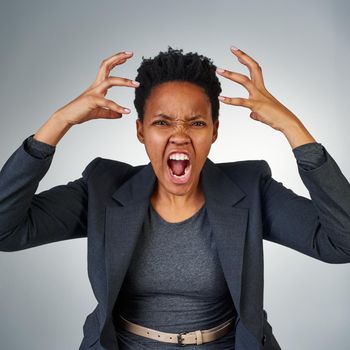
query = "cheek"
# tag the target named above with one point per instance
(154, 137)
(203, 143)
(155, 146)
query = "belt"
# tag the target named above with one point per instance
(183, 338)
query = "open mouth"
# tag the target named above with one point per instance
(179, 167)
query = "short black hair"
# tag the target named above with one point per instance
(173, 65)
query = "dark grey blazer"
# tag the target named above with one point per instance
(245, 205)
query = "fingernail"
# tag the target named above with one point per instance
(220, 70)
(136, 83)
(128, 52)
(234, 48)
(221, 98)
(127, 110)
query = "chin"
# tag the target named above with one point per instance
(173, 188)
(181, 191)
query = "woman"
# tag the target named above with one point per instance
(175, 246)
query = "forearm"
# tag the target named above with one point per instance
(310, 156)
(28, 219)
(19, 179)
(319, 227)
(297, 134)
(52, 130)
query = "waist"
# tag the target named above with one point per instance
(174, 312)
(188, 335)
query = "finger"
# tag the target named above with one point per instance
(237, 101)
(253, 66)
(114, 81)
(109, 63)
(238, 78)
(105, 103)
(254, 115)
(106, 113)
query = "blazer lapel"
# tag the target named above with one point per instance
(123, 225)
(124, 220)
(228, 223)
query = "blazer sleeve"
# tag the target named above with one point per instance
(318, 227)
(28, 219)
(38, 148)
(310, 155)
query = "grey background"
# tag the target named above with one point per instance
(50, 53)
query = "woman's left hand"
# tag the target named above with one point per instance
(265, 108)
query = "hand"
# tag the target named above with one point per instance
(91, 104)
(265, 108)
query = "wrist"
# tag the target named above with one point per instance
(57, 119)
(297, 134)
(52, 130)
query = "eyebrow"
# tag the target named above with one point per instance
(172, 117)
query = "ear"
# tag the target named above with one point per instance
(139, 130)
(215, 130)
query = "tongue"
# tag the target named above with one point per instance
(178, 166)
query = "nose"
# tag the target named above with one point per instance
(179, 142)
(179, 136)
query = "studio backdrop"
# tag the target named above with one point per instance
(51, 52)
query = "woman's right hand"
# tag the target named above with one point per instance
(92, 104)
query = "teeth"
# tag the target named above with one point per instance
(179, 177)
(179, 156)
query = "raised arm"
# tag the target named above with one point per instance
(319, 227)
(28, 219)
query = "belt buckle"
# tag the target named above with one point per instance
(180, 338)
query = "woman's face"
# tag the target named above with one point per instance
(177, 131)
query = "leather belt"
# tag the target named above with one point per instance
(183, 338)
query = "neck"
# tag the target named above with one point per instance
(193, 198)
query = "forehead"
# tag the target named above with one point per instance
(177, 97)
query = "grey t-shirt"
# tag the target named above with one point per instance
(174, 283)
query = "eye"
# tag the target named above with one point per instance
(198, 123)
(159, 122)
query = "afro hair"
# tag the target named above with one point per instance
(173, 65)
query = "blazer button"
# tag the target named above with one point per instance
(263, 340)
